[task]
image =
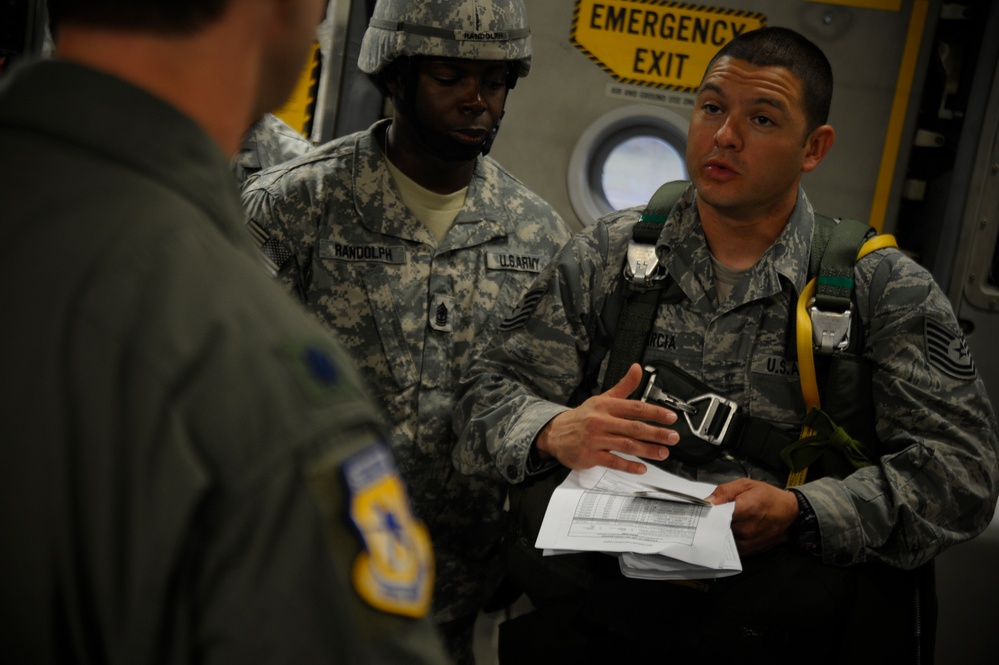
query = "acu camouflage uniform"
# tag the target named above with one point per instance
(465, 29)
(934, 486)
(412, 314)
(270, 141)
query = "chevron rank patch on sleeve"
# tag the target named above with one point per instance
(948, 352)
(524, 310)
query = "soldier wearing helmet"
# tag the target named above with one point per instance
(412, 245)
(404, 31)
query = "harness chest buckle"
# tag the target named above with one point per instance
(830, 330)
(643, 267)
(717, 418)
(658, 396)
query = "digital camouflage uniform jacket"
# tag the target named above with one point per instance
(268, 142)
(937, 484)
(412, 314)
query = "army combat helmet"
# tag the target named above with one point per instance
(468, 29)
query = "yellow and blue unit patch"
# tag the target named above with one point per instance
(395, 572)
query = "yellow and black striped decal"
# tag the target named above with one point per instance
(300, 108)
(655, 43)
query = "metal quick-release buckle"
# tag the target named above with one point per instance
(830, 330)
(654, 394)
(643, 265)
(716, 415)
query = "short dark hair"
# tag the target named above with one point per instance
(163, 16)
(772, 46)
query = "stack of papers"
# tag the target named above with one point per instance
(658, 524)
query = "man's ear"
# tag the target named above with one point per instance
(817, 145)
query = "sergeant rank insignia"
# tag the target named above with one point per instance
(395, 572)
(948, 352)
(442, 314)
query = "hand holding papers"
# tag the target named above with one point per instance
(659, 524)
(653, 492)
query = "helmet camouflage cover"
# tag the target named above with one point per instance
(468, 29)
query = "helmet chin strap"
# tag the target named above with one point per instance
(511, 80)
(487, 145)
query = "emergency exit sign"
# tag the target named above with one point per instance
(656, 43)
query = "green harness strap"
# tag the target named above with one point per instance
(835, 244)
(819, 432)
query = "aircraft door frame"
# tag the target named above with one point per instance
(967, 265)
(347, 100)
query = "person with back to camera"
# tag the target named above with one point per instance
(835, 568)
(412, 245)
(190, 470)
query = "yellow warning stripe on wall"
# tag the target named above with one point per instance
(300, 107)
(896, 121)
(889, 5)
(654, 42)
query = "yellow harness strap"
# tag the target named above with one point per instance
(806, 348)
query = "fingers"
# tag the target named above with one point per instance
(636, 412)
(609, 423)
(621, 432)
(628, 383)
(585, 454)
(730, 491)
(762, 516)
(633, 425)
(618, 405)
(612, 461)
(640, 448)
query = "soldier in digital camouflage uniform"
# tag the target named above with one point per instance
(414, 260)
(824, 564)
(269, 142)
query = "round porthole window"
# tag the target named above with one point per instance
(623, 157)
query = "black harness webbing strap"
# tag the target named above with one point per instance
(639, 311)
(748, 435)
(759, 440)
(633, 327)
